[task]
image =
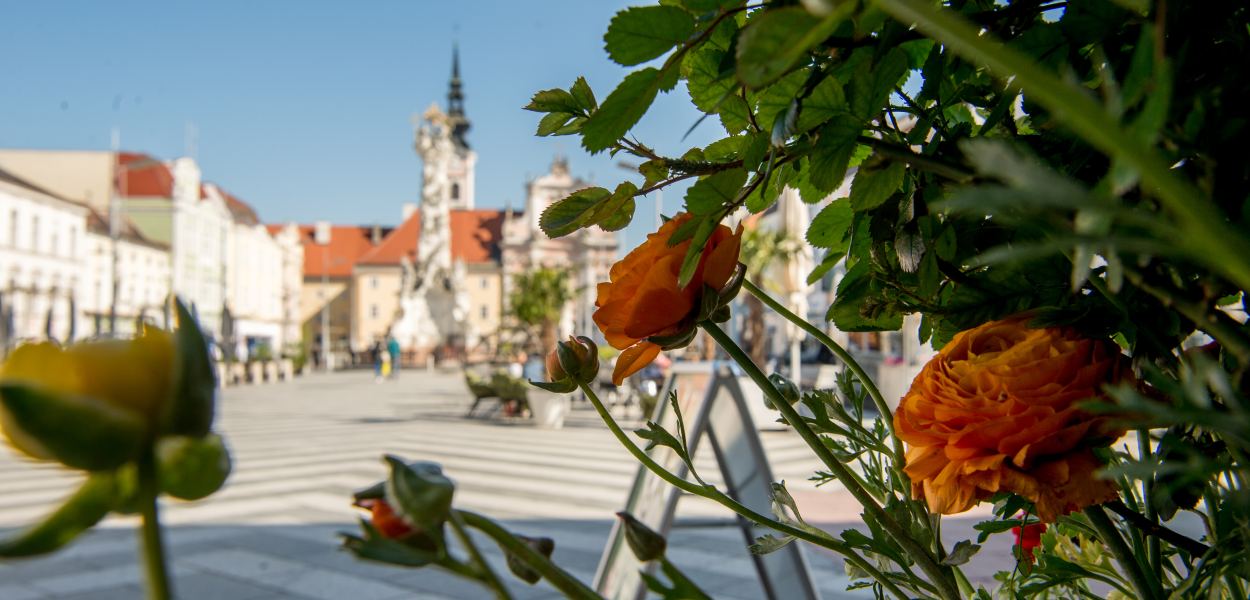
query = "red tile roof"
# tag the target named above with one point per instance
(475, 237)
(240, 210)
(141, 175)
(336, 259)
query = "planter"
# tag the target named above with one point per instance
(236, 373)
(287, 367)
(255, 372)
(271, 371)
(549, 409)
(222, 371)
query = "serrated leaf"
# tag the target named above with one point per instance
(658, 436)
(654, 171)
(774, 42)
(825, 102)
(583, 95)
(553, 100)
(621, 110)
(709, 194)
(830, 157)
(553, 122)
(725, 149)
(827, 264)
(694, 254)
(639, 34)
(831, 226)
(872, 187)
(617, 212)
(769, 543)
(961, 553)
(572, 213)
(909, 247)
(873, 83)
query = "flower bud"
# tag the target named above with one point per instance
(542, 545)
(788, 390)
(385, 520)
(579, 357)
(646, 544)
(554, 371)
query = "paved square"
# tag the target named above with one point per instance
(301, 448)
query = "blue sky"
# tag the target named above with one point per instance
(304, 108)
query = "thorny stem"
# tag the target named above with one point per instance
(940, 577)
(711, 493)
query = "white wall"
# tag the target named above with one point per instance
(143, 284)
(42, 247)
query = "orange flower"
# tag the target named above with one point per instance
(643, 299)
(385, 520)
(995, 411)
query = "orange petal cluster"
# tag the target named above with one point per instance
(642, 298)
(995, 411)
(385, 520)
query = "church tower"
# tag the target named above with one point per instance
(460, 173)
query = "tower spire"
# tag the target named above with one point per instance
(455, 100)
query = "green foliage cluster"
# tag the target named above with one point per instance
(1079, 160)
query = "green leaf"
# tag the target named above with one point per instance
(583, 95)
(87, 506)
(78, 431)
(617, 211)
(831, 227)
(554, 100)
(827, 264)
(381, 549)
(421, 495)
(988, 528)
(873, 186)
(961, 553)
(193, 406)
(859, 303)
(658, 436)
(654, 171)
(873, 83)
(639, 34)
(826, 101)
(769, 543)
(192, 468)
(709, 194)
(694, 255)
(725, 149)
(572, 213)
(621, 110)
(774, 42)
(832, 154)
(553, 123)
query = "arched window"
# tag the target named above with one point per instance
(455, 191)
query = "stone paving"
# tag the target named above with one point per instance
(301, 448)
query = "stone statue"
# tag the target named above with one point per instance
(433, 302)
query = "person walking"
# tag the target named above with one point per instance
(378, 351)
(392, 348)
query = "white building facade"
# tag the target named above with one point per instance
(41, 262)
(138, 268)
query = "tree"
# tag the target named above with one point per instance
(760, 249)
(538, 298)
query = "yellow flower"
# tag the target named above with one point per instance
(131, 380)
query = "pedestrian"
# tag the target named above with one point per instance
(392, 348)
(378, 351)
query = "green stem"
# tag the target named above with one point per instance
(570, 586)
(1154, 553)
(486, 574)
(711, 493)
(869, 385)
(1208, 238)
(1142, 584)
(940, 577)
(153, 546)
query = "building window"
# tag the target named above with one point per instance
(484, 282)
(373, 311)
(34, 233)
(482, 312)
(455, 191)
(13, 228)
(373, 282)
